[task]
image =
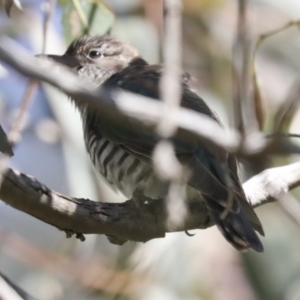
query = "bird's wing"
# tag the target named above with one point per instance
(143, 79)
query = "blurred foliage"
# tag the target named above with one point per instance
(195, 7)
(85, 17)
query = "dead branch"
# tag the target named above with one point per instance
(138, 219)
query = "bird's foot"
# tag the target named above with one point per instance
(70, 233)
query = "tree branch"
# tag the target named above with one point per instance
(272, 184)
(138, 219)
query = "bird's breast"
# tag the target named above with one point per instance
(121, 169)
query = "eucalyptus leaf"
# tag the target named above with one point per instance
(85, 17)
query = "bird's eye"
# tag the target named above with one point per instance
(94, 54)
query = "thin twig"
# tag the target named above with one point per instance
(292, 99)
(239, 48)
(15, 133)
(271, 33)
(170, 83)
(240, 87)
(170, 92)
(48, 8)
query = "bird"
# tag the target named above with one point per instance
(123, 155)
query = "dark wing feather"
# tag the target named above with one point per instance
(210, 166)
(143, 79)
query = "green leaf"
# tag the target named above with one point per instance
(85, 17)
(5, 146)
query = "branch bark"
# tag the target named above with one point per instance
(138, 219)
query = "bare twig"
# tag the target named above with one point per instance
(170, 83)
(15, 133)
(288, 105)
(48, 8)
(239, 63)
(170, 92)
(271, 33)
(244, 109)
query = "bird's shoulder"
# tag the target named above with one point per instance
(143, 78)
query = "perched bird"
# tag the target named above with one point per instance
(124, 155)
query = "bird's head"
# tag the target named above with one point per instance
(96, 58)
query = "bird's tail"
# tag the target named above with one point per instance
(235, 227)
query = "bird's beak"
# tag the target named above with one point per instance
(66, 60)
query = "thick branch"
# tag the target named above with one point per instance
(136, 220)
